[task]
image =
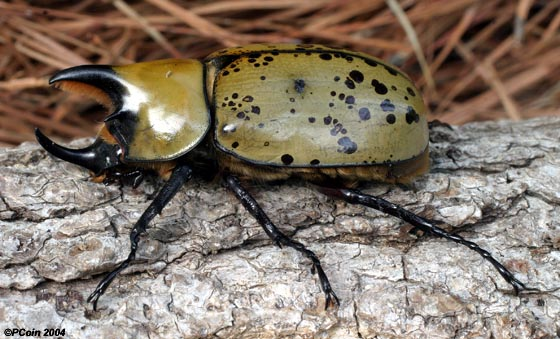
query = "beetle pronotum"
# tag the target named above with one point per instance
(261, 112)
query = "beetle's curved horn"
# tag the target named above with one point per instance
(99, 82)
(97, 157)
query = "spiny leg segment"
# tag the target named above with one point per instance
(180, 175)
(425, 225)
(280, 238)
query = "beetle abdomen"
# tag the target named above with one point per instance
(347, 176)
(312, 106)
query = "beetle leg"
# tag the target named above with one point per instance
(425, 225)
(130, 178)
(180, 175)
(280, 238)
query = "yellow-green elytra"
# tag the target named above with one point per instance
(309, 105)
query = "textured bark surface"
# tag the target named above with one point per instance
(207, 269)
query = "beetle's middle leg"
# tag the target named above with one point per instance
(180, 175)
(280, 238)
(356, 197)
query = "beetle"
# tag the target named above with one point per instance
(333, 117)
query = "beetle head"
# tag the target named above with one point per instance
(158, 111)
(101, 84)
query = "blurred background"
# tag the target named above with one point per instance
(473, 60)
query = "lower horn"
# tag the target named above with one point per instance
(97, 157)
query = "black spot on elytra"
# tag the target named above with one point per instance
(387, 106)
(337, 78)
(311, 119)
(327, 120)
(224, 73)
(255, 109)
(235, 95)
(292, 111)
(371, 62)
(314, 162)
(333, 93)
(268, 58)
(357, 76)
(248, 98)
(391, 70)
(260, 125)
(231, 103)
(254, 55)
(379, 87)
(325, 56)
(391, 119)
(299, 85)
(347, 145)
(410, 91)
(364, 113)
(336, 129)
(350, 83)
(240, 115)
(287, 159)
(350, 100)
(263, 77)
(235, 144)
(411, 115)
(341, 96)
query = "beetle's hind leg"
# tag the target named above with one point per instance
(425, 225)
(180, 175)
(280, 238)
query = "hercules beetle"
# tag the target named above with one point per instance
(330, 116)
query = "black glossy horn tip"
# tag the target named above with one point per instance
(42, 139)
(90, 74)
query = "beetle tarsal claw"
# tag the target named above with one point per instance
(97, 157)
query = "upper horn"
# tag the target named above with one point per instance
(98, 81)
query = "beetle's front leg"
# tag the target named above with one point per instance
(180, 175)
(280, 238)
(425, 225)
(128, 177)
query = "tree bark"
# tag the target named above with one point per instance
(207, 269)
